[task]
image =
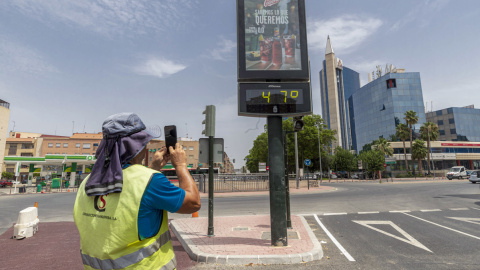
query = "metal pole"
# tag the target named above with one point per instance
(320, 153)
(210, 186)
(278, 211)
(287, 181)
(296, 162)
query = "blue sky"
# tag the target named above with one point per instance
(69, 64)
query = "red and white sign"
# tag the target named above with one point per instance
(268, 3)
(384, 165)
(268, 168)
(461, 144)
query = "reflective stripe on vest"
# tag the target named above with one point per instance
(131, 258)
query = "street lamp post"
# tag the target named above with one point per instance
(320, 153)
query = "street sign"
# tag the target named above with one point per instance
(360, 165)
(308, 162)
(384, 165)
(262, 166)
(218, 147)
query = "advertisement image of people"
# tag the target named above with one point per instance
(272, 36)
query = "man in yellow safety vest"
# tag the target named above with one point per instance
(121, 207)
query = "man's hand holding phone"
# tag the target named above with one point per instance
(178, 157)
(160, 159)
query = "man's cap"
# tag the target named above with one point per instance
(125, 124)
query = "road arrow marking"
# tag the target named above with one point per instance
(466, 219)
(412, 241)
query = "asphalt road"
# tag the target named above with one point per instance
(398, 225)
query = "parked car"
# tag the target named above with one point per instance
(458, 172)
(474, 177)
(5, 183)
(354, 176)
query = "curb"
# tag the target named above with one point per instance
(197, 255)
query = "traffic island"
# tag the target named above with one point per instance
(245, 240)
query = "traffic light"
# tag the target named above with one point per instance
(209, 121)
(298, 123)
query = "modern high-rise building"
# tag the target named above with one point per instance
(337, 84)
(457, 124)
(4, 119)
(379, 106)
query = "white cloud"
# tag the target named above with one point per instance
(159, 67)
(225, 50)
(345, 32)
(18, 58)
(422, 14)
(109, 16)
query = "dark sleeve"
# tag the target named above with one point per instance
(161, 194)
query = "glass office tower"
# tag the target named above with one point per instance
(337, 84)
(457, 124)
(378, 107)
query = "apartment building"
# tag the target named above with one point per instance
(77, 144)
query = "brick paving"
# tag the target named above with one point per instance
(228, 241)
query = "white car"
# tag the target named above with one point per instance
(474, 177)
(458, 172)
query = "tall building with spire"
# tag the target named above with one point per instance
(337, 84)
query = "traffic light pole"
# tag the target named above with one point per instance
(210, 186)
(278, 213)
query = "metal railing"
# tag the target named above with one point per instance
(233, 182)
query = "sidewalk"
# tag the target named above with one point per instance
(244, 240)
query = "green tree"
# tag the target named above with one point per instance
(372, 161)
(344, 160)
(429, 132)
(411, 118)
(383, 146)
(307, 144)
(419, 152)
(403, 134)
(258, 153)
(7, 175)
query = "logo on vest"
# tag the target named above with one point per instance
(100, 205)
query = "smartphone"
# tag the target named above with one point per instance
(170, 137)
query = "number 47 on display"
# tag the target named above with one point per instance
(293, 94)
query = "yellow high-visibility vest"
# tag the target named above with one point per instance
(107, 224)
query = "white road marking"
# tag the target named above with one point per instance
(473, 236)
(400, 211)
(412, 241)
(339, 246)
(431, 210)
(364, 213)
(467, 219)
(334, 214)
(458, 209)
(475, 208)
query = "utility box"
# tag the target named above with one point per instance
(27, 223)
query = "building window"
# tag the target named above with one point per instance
(440, 122)
(12, 150)
(439, 112)
(77, 145)
(453, 131)
(441, 132)
(391, 83)
(184, 148)
(50, 145)
(27, 145)
(57, 145)
(450, 110)
(190, 148)
(65, 145)
(86, 146)
(190, 157)
(26, 155)
(451, 121)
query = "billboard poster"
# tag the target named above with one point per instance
(272, 38)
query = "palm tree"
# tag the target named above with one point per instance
(419, 152)
(429, 132)
(383, 146)
(411, 118)
(402, 133)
